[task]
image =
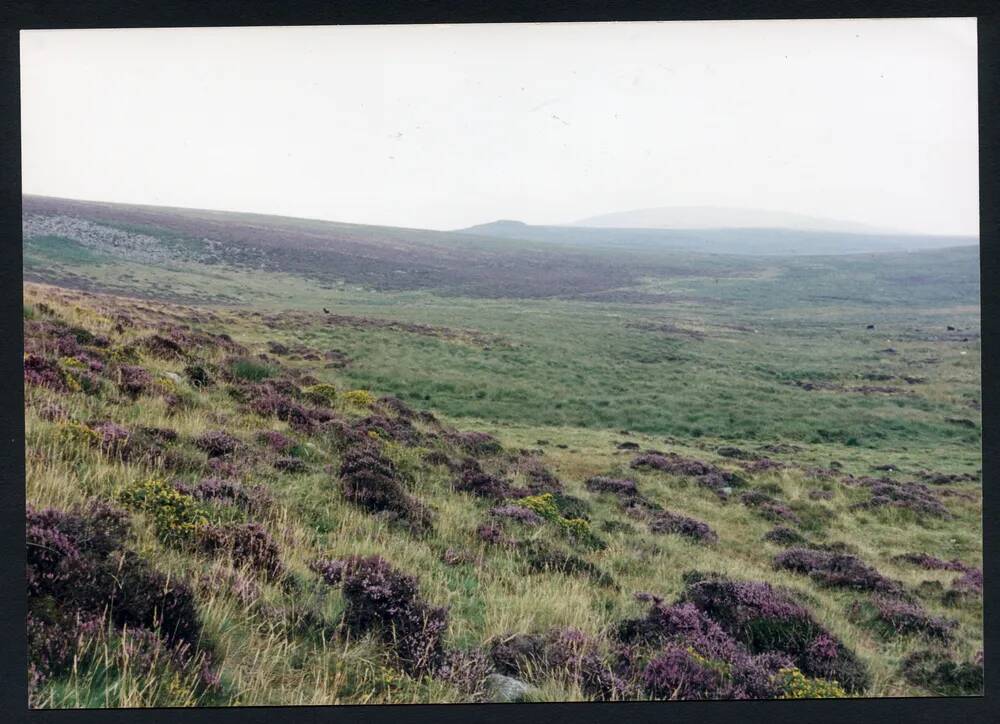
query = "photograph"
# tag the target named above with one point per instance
(486, 363)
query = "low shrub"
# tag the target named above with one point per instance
(784, 536)
(836, 570)
(246, 544)
(475, 443)
(321, 394)
(942, 676)
(198, 376)
(176, 516)
(666, 522)
(968, 585)
(517, 513)
(766, 620)
(894, 617)
(371, 481)
(163, 347)
(382, 599)
(41, 372)
(915, 497)
(361, 398)
(542, 558)
(217, 443)
(289, 464)
(796, 685)
(252, 498)
(931, 563)
(82, 577)
(620, 488)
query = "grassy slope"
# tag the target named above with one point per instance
(571, 373)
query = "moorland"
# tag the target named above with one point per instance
(287, 461)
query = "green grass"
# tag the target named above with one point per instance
(714, 364)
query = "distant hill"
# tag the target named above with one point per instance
(748, 241)
(721, 217)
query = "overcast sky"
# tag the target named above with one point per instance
(872, 121)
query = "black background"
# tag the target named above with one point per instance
(76, 14)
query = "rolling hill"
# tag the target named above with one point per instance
(749, 241)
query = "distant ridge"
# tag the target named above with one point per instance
(721, 217)
(746, 240)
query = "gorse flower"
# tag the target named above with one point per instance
(176, 516)
(361, 398)
(796, 685)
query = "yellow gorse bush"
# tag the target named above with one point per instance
(576, 528)
(362, 398)
(322, 393)
(176, 516)
(77, 433)
(796, 685)
(544, 505)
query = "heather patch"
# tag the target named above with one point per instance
(543, 558)
(277, 441)
(52, 412)
(397, 407)
(484, 485)
(252, 498)
(763, 465)
(198, 376)
(273, 404)
(625, 489)
(683, 640)
(289, 464)
(931, 563)
(915, 497)
(665, 521)
(80, 574)
(475, 443)
(784, 536)
(942, 676)
(837, 570)
(565, 654)
(371, 481)
(217, 443)
(382, 599)
(517, 513)
(968, 585)
(246, 544)
(672, 463)
(41, 372)
(891, 616)
(766, 619)
(163, 347)
(769, 508)
(398, 430)
(540, 479)
(495, 536)
(133, 380)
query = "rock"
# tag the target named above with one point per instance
(506, 689)
(172, 376)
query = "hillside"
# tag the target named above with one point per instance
(634, 474)
(721, 217)
(755, 241)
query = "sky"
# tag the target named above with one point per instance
(445, 126)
